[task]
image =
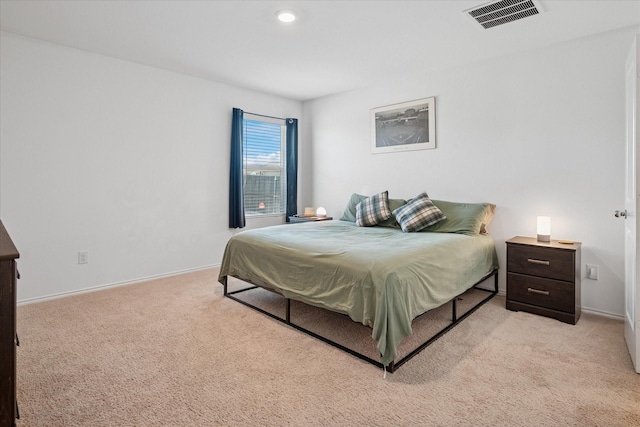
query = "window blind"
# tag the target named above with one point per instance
(264, 168)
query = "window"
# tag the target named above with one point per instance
(264, 169)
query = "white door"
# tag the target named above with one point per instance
(632, 284)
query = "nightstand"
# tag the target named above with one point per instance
(296, 218)
(544, 278)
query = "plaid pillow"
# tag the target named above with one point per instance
(373, 210)
(419, 213)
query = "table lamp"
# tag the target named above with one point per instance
(544, 229)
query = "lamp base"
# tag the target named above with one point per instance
(544, 238)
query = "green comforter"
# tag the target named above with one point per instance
(378, 276)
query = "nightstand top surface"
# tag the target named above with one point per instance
(297, 218)
(532, 241)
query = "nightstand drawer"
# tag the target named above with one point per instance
(546, 293)
(541, 261)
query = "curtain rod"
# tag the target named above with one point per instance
(262, 115)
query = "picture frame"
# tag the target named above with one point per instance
(406, 126)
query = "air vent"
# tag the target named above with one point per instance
(500, 12)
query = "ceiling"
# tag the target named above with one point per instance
(333, 46)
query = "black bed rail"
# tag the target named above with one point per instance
(455, 319)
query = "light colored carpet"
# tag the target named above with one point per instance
(175, 352)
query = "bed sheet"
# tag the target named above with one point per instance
(378, 276)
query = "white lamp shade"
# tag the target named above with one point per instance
(544, 228)
(321, 212)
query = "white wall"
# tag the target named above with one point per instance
(125, 161)
(130, 162)
(536, 133)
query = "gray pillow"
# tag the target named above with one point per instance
(350, 211)
(463, 218)
(393, 205)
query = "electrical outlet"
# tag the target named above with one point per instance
(83, 257)
(592, 272)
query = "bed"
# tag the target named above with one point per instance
(379, 276)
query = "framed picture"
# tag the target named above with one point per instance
(403, 127)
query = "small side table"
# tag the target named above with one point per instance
(544, 278)
(297, 219)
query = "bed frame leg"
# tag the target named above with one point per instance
(391, 367)
(496, 282)
(224, 284)
(288, 314)
(454, 314)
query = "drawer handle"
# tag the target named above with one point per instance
(537, 291)
(537, 261)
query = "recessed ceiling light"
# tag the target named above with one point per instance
(286, 16)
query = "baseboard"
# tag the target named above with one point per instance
(602, 313)
(113, 285)
(503, 293)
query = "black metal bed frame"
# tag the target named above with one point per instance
(393, 365)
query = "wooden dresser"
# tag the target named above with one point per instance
(8, 337)
(544, 278)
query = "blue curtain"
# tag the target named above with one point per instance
(292, 167)
(236, 185)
